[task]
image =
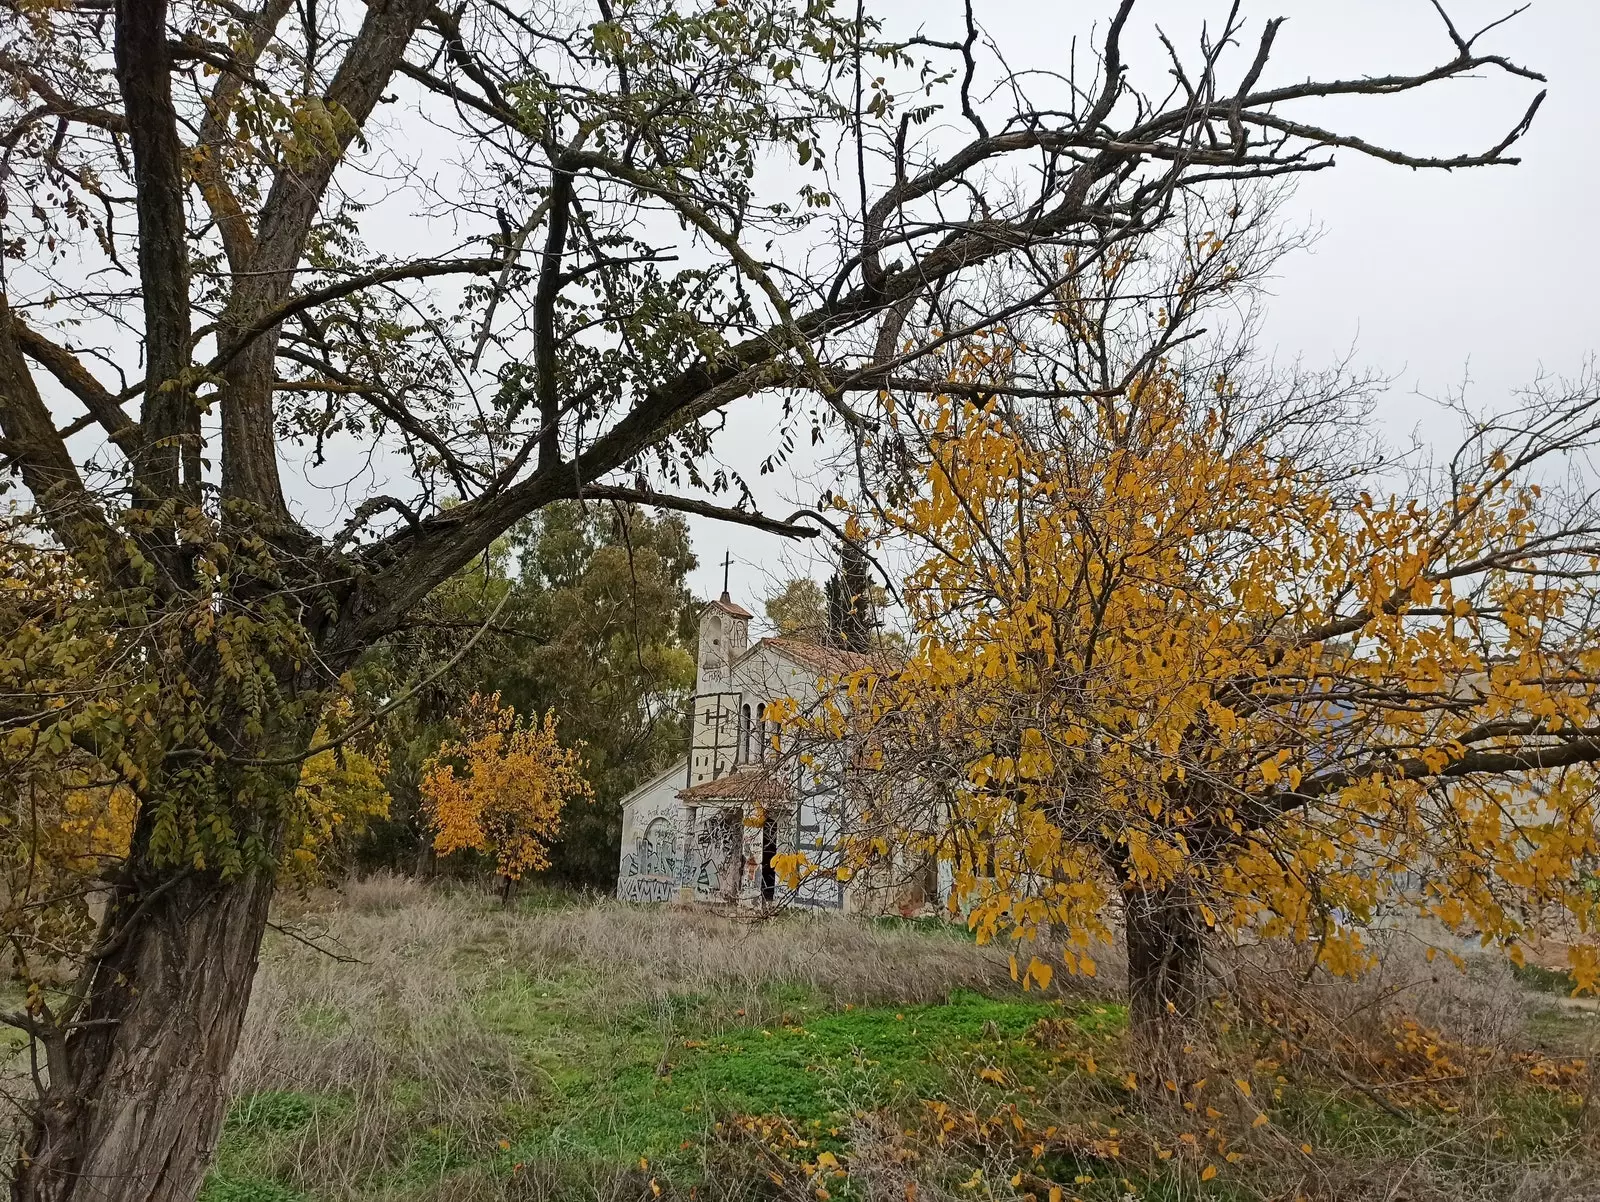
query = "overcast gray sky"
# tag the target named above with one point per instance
(1430, 278)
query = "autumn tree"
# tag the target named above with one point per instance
(63, 819)
(195, 296)
(499, 789)
(593, 618)
(340, 795)
(799, 609)
(1185, 670)
(454, 644)
(605, 637)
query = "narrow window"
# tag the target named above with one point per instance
(742, 751)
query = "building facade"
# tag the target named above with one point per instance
(708, 828)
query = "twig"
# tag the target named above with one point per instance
(313, 945)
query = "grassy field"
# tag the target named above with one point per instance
(450, 1049)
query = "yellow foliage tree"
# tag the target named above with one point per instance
(499, 788)
(341, 793)
(65, 819)
(62, 837)
(1179, 669)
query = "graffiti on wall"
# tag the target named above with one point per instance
(716, 867)
(652, 870)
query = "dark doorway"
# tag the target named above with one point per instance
(769, 848)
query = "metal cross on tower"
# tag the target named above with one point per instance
(727, 562)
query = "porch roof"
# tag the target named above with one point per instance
(740, 785)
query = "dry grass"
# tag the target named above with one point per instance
(626, 957)
(347, 1068)
(449, 1050)
(1425, 1079)
(389, 1067)
(666, 954)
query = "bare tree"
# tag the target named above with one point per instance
(190, 190)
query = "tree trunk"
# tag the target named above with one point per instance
(138, 1085)
(1166, 963)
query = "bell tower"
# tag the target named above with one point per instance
(714, 716)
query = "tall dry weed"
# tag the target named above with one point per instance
(386, 1048)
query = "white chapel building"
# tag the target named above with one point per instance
(707, 828)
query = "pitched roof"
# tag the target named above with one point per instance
(729, 606)
(679, 768)
(759, 784)
(823, 659)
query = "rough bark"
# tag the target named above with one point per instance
(249, 445)
(144, 75)
(138, 1085)
(30, 439)
(1166, 963)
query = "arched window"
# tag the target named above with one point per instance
(760, 733)
(742, 751)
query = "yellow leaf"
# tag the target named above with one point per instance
(1207, 1173)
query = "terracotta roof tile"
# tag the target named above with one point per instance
(832, 661)
(739, 785)
(729, 606)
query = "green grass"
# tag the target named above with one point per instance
(613, 1094)
(816, 1070)
(220, 1187)
(654, 1085)
(1544, 980)
(278, 1110)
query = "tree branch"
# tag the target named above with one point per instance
(237, 343)
(71, 374)
(785, 527)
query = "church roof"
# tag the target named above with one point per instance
(729, 606)
(747, 785)
(821, 658)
